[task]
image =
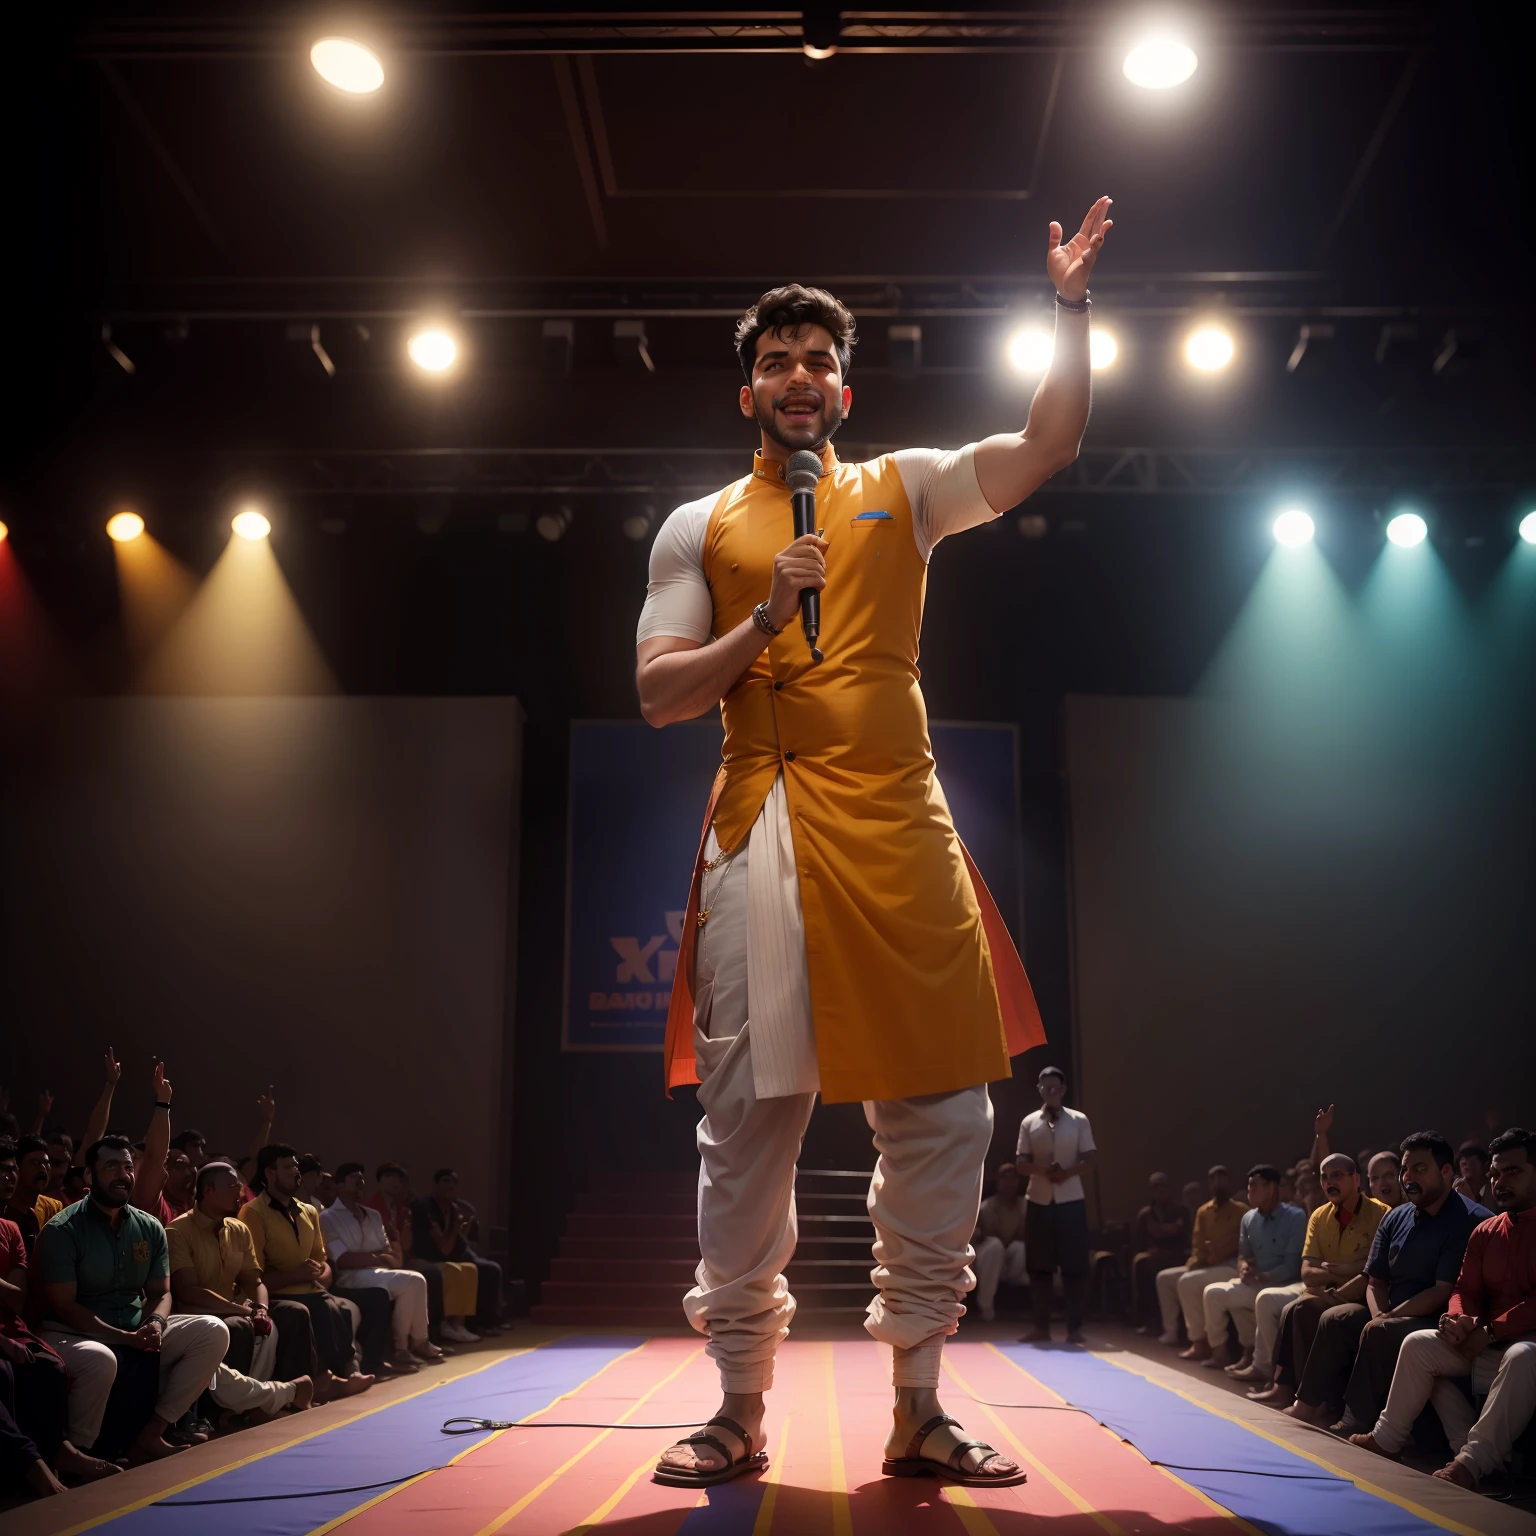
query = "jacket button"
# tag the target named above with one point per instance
(736, 565)
(789, 757)
(777, 687)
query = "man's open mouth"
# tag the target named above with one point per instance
(801, 409)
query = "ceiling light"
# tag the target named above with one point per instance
(123, 526)
(638, 524)
(432, 349)
(1209, 348)
(1030, 348)
(347, 65)
(1160, 63)
(1294, 527)
(251, 524)
(1527, 528)
(1103, 349)
(553, 522)
(1407, 529)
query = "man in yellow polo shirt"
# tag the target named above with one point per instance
(832, 902)
(28, 1206)
(289, 1249)
(1338, 1242)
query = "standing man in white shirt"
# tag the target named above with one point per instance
(1055, 1150)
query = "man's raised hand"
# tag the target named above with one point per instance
(1069, 265)
(1322, 1121)
(112, 1067)
(161, 1086)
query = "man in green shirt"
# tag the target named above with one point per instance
(104, 1265)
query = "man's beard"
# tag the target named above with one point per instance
(803, 437)
(114, 1196)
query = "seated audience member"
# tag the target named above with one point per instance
(471, 1285)
(1288, 1186)
(1385, 1173)
(362, 1254)
(999, 1241)
(290, 1253)
(1414, 1260)
(1160, 1239)
(103, 1266)
(1339, 1237)
(392, 1200)
(1488, 1334)
(29, 1207)
(1309, 1188)
(213, 1265)
(1192, 1197)
(1055, 1149)
(180, 1188)
(33, 1386)
(61, 1153)
(194, 1144)
(311, 1171)
(1212, 1255)
(1269, 1242)
(1472, 1179)
(74, 1184)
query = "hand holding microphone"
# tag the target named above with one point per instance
(801, 567)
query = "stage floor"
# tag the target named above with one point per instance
(1183, 1454)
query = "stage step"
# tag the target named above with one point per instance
(630, 1250)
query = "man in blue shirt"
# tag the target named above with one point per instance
(1269, 1243)
(104, 1268)
(1415, 1258)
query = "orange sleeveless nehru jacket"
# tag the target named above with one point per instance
(915, 984)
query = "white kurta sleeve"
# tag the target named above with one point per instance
(677, 600)
(943, 491)
(336, 1243)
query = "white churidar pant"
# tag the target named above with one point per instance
(407, 1300)
(923, 1197)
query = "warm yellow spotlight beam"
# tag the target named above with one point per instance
(155, 588)
(5, 533)
(433, 349)
(242, 634)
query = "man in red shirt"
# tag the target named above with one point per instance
(1488, 1333)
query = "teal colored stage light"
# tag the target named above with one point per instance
(1407, 529)
(1294, 527)
(1528, 527)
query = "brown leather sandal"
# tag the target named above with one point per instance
(915, 1464)
(683, 1477)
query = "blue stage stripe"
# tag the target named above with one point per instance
(731, 1510)
(400, 1441)
(1297, 1498)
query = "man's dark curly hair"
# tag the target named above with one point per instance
(787, 309)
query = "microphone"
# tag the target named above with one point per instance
(801, 474)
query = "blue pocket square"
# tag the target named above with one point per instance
(873, 517)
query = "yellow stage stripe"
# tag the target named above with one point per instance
(299, 1439)
(971, 1514)
(1413, 1508)
(609, 1504)
(1189, 1488)
(770, 1481)
(495, 1434)
(514, 1510)
(1065, 1489)
(842, 1519)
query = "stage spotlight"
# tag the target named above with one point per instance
(347, 65)
(124, 526)
(553, 522)
(1160, 63)
(1030, 348)
(1407, 529)
(432, 349)
(251, 524)
(1209, 348)
(1527, 528)
(5, 532)
(1103, 349)
(638, 524)
(1294, 527)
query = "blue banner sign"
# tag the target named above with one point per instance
(636, 811)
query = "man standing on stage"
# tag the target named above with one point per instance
(838, 938)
